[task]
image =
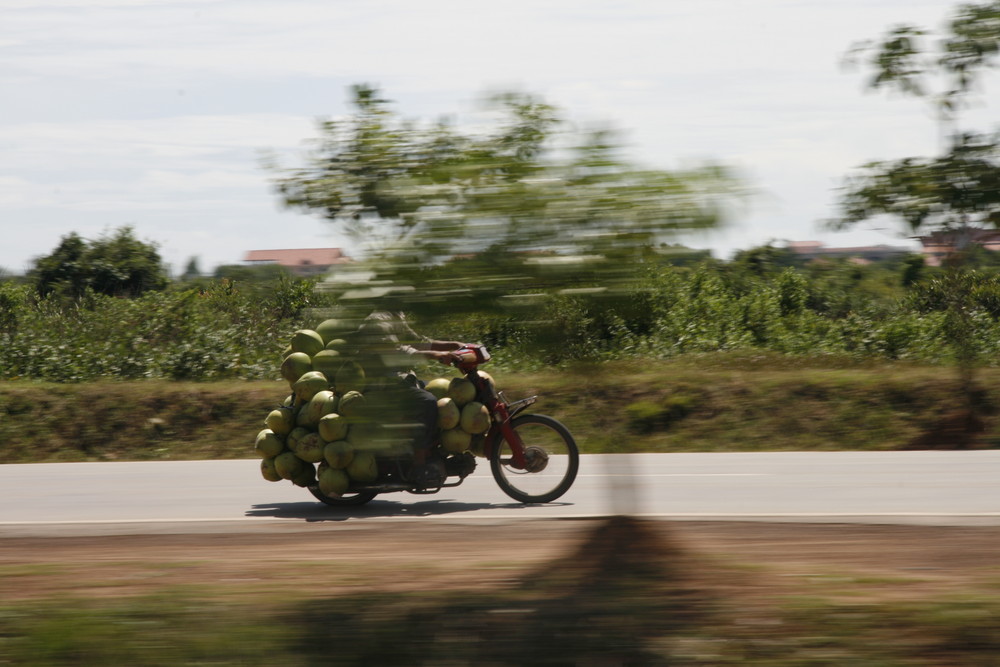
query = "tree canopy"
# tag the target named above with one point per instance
(956, 190)
(117, 264)
(524, 192)
(961, 186)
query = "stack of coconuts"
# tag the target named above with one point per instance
(322, 433)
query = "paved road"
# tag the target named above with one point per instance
(946, 488)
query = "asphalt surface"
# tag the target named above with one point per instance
(934, 488)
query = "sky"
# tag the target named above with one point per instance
(157, 113)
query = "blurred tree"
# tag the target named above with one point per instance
(63, 270)
(192, 271)
(118, 264)
(12, 298)
(961, 187)
(536, 205)
(264, 273)
(764, 260)
(913, 269)
(956, 191)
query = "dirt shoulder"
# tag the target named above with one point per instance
(886, 561)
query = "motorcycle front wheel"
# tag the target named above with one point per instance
(551, 456)
(346, 500)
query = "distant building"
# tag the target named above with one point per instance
(303, 262)
(939, 245)
(808, 250)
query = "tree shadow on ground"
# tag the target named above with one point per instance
(960, 428)
(603, 604)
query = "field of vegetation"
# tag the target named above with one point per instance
(754, 354)
(711, 402)
(759, 303)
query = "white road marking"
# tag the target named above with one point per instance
(678, 474)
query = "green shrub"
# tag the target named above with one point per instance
(646, 416)
(218, 329)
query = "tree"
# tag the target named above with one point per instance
(764, 260)
(116, 264)
(955, 191)
(534, 202)
(264, 273)
(64, 270)
(192, 271)
(961, 187)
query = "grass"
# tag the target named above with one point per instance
(717, 402)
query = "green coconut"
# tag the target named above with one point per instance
(267, 470)
(288, 465)
(448, 413)
(306, 476)
(323, 403)
(268, 444)
(333, 426)
(489, 378)
(363, 467)
(461, 391)
(309, 384)
(327, 362)
(310, 448)
(307, 341)
(455, 440)
(352, 405)
(280, 420)
(475, 418)
(478, 445)
(332, 329)
(295, 366)
(338, 345)
(438, 387)
(338, 454)
(292, 441)
(333, 481)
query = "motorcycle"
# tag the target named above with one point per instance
(533, 458)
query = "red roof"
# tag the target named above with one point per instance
(949, 237)
(299, 256)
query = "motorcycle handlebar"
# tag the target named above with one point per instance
(469, 356)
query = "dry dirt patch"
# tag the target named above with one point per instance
(323, 561)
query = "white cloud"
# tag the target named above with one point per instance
(443, 41)
(755, 83)
(146, 144)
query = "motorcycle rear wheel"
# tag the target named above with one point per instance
(346, 500)
(553, 460)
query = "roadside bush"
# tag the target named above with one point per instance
(212, 333)
(646, 416)
(236, 329)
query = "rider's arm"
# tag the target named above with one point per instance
(423, 345)
(445, 345)
(443, 356)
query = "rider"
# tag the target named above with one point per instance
(397, 399)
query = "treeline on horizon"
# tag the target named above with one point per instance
(764, 299)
